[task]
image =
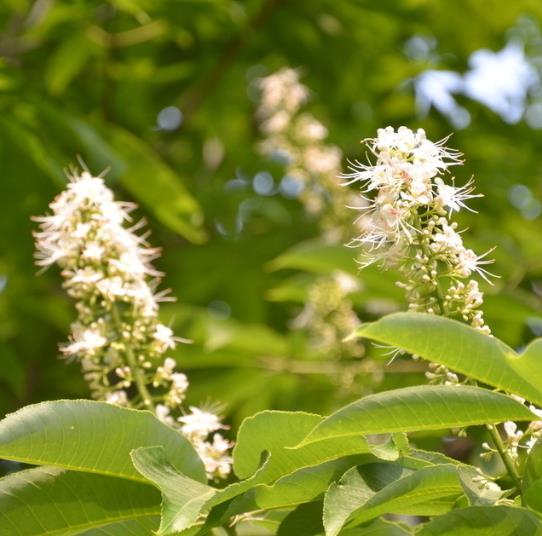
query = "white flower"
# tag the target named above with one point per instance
(117, 397)
(405, 225)
(308, 128)
(163, 413)
(453, 198)
(163, 338)
(447, 240)
(179, 381)
(394, 150)
(93, 251)
(198, 424)
(282, 90)
(469, 262)
(215, 456)
(322, 159)
(84, 340)
(87, 275)
(346, 282)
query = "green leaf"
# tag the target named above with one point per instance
(67, 61)
(484, 521)
(261, 455)
(95, 437)
(51, 500)
(299, 487)
(134, 164)
(380, 527)
(344, 497)
(272, 432)
(132, 527)
(154, 183)
(359, 485)
(316, 256)
(32, 146)
(462, 349)
(532, 477)
(423, 407)
(427, 491)
(183, 499)
(304, 520)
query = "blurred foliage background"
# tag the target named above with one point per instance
(163, 94)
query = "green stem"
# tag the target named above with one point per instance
(508, 462)
(132, 363)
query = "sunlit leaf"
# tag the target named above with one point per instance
(51, 500)
(95, 437)
(462, 349)
(424, 407)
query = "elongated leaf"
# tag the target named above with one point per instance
(360, 484)
(132, 527)
(67, 61)
(316, 256)
(134, 164)
(89, 436)
(51, 500)
(300, 487)
(345, 496)
(183, 499)
(464, 350)
(415, 493)
(484, 521)
(155, 184)
(380, 527)
(267, 434)
(261, 456)
(423, 407)
(31, 145)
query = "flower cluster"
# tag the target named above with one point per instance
(407, 224)
(117, 337)
(329, 316)
(297, 138)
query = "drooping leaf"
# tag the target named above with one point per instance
(261, 456)
(134, 164)
(67, 61)
(51, 500)
(427, 491)
(31, 145)
(484, 521)
(345, 496)
(183, 499)
(299, 487)
(357, 487)
(304, 520)
(423, 407)
(462, 349)
(95, 437)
